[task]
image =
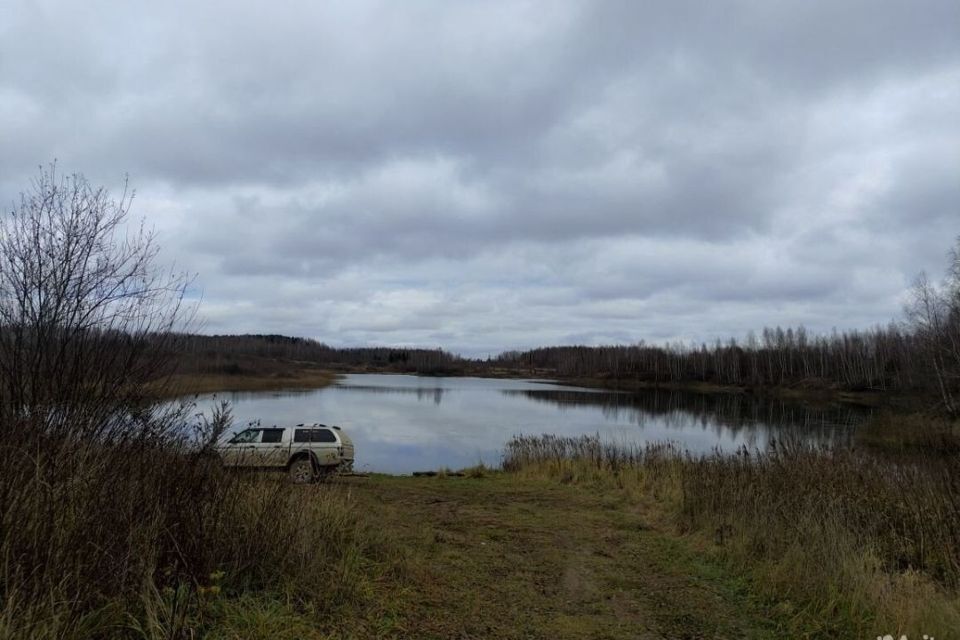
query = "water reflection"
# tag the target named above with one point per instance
(407, 423)
(422, 393)
(825, 423)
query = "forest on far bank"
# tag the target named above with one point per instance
(919, 355)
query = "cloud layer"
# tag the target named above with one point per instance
(509, 174)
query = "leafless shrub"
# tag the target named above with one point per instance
(95, 492)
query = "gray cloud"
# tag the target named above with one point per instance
(513, 173)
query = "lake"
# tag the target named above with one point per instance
(402, 423)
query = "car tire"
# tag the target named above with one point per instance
(326, 472)
(302, 471)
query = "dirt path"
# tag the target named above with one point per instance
(501, 558)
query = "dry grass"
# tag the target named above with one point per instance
(506, 557)
(149, 538)
(847, 543)
(186, 384)
(910, 435)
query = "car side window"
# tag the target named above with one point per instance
(246, 437)
(272, 436)
(323, 435)
(313, 435)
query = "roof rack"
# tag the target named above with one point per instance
(302, 424)
(331, 426)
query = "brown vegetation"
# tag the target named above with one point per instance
(847, 543)
(240, 373)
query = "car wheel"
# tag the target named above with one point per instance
(325, 473)
(301, 471)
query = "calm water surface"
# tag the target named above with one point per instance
(402, 424)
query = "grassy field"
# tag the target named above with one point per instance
(577, 551)
(846, 543)
(500, 556)
(569, 550)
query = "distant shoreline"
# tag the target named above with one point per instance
(191, 384)
(812, 393)
(809, 394)
(280, 375)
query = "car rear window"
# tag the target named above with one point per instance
(313, 435)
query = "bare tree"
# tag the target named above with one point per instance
(96, 488)
(935, 315)
(85, 316)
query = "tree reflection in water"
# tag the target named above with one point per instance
(819, 423)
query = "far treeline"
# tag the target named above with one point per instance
(917, 356)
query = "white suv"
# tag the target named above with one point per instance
(305, 451)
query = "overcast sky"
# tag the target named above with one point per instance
(492, 175)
